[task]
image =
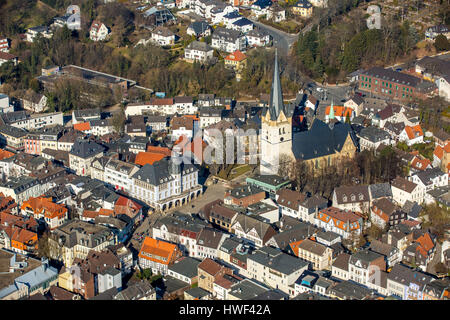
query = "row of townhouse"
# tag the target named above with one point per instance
(163, 184)
(23, 120)
(167, 106)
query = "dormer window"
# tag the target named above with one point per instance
(353, 197)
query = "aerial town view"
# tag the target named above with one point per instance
(223, 150)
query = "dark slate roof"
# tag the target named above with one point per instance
(135, 291)
(380, 190)
(242, 22)
(373, 134)
(327, 235)
(321, 140)
(394, 76)
(187, 267)
(412, 209)
(226, 34)
(404, 275)
(86, 149)
(365, 257)
(199, 46)
(277, 260)
(303, 4)
(382, 248)
(247, 289)
(12, 131)
(342, 261)
(262, 3)
(197, 292)
(273, 294)
(441, 195)
(158, 172)
(357, 99)
(210, 238)
(426, 176)
(352, 194)
(310, 296)
(199, 27)
(232, 15)
(349, 290)
(297, 233)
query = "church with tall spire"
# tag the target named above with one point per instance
(276, 128)
(320, 146)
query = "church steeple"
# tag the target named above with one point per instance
(276, 95)
(331, 115)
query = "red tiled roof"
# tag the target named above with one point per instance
(438, 152)
(156, 250)
(420, 164)
(339, 111)
(46, 206)
(236, 56)
(413, 132)
(144, 158)
(4, 154)
(162, 150)
(83, 126)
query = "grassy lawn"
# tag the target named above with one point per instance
(234, 171)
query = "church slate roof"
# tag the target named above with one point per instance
(321, 140)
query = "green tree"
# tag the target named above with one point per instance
(118, 121)
(441, 43)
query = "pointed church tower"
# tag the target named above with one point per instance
(276, 128)
(331, 114)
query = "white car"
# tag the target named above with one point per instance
(319, 89)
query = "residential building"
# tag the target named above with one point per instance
(199, 51)
(319, 255)
(27, 276)
(354, 198)
(228, 40)
(299, 205)
(275, 268)
(98, 31)
(403, 190)
(82, 154)
(137, 291)
(244, 196)
(199, 29)
(303, 8)
(406, 283)
(185, 269)
(163, 36)
(52, 213)
(370, 138)
(34, 32)
(76, 238)
(258, 38)
(158, 255)
(365, 265)
(346, 223)
(208, 272)
(385, 213)
(390, 252)
(252, 229)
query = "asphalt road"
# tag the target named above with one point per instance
(281, 40)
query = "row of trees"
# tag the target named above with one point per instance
(335, 50)
(364, 168)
